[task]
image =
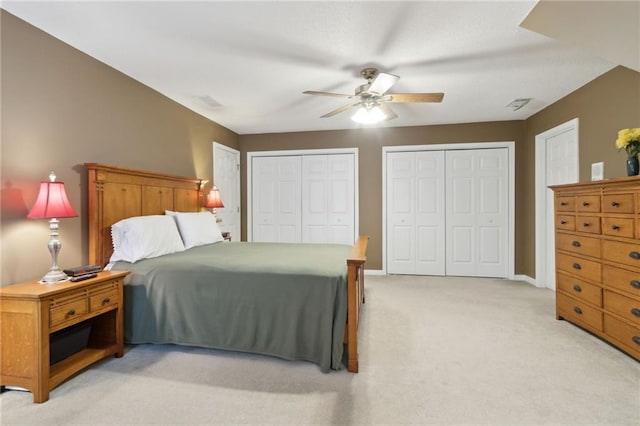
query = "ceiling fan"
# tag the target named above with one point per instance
(372, 97)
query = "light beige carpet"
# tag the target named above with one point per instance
(454, 351)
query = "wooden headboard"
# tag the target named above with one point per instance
(116, 193)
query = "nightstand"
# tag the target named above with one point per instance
(36, 315)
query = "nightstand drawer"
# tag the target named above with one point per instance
(622, 306)
(618, 226)
(583, 268)
(588, 246)
(103, 300)
(579, 289)
(579, 312)
(68, 312)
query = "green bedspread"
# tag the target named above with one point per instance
(286, 300)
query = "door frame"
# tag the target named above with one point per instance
(540, 192)
(510, 145)
(296, 152)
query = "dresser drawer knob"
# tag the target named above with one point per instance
(636, 340)
(636, 312)
(634, 255)
(615, 227)
(615, 204)
(586, 224)
(563, 203)
(576, 243)
(585, 204)
(563, 222)
(577, 310)
(577, 266)
(106, 300)
(635, 284)
(577, 288)
(71, 312)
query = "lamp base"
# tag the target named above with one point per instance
(54, 276)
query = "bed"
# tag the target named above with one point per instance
(293, 301)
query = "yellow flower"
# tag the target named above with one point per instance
(629, 140)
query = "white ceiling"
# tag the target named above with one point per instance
(245, 65)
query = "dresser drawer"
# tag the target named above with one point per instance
(589, 224)
(621, 279)
(580, 289)
(578, 311)
(622, 306)
(587, 246)
(582, 268)
(618, 203)
(618, 226)
(566, 222)
(625, 253)
(626, 335)
(68, 312)
(588, 203)
(565, 203)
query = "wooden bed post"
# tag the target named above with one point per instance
(355, 299)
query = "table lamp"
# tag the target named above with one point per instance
(53, 204)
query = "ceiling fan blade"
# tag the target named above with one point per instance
(335, 95)
(415, 97)
(339, 110)
(388, 112)
(382, 83)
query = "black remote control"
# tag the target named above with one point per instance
(82, 277)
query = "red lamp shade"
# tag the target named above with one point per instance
(213, 199)
(52, 202)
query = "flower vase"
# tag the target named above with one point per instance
(632, 166)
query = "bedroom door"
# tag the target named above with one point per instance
(226, 176)
(275, 200)
(416, 213)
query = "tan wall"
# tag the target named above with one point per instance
(369, 143)
(62, 108)
(603, 106)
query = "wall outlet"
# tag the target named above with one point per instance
(597, 171)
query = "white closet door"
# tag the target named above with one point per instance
(276, 196)
(415, 213)
(430, 213)
(328, 204)
(477, 212)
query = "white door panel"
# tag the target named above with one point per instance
(226, 177)
(477, 212)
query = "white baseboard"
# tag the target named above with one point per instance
(374, 272)
(527, 279)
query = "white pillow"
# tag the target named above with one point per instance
(197, 229)
(143, 237)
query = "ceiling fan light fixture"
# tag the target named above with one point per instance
(370, 115)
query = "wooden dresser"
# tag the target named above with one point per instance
(598, 259)
(32, 313)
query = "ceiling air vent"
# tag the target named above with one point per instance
(516, 104)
